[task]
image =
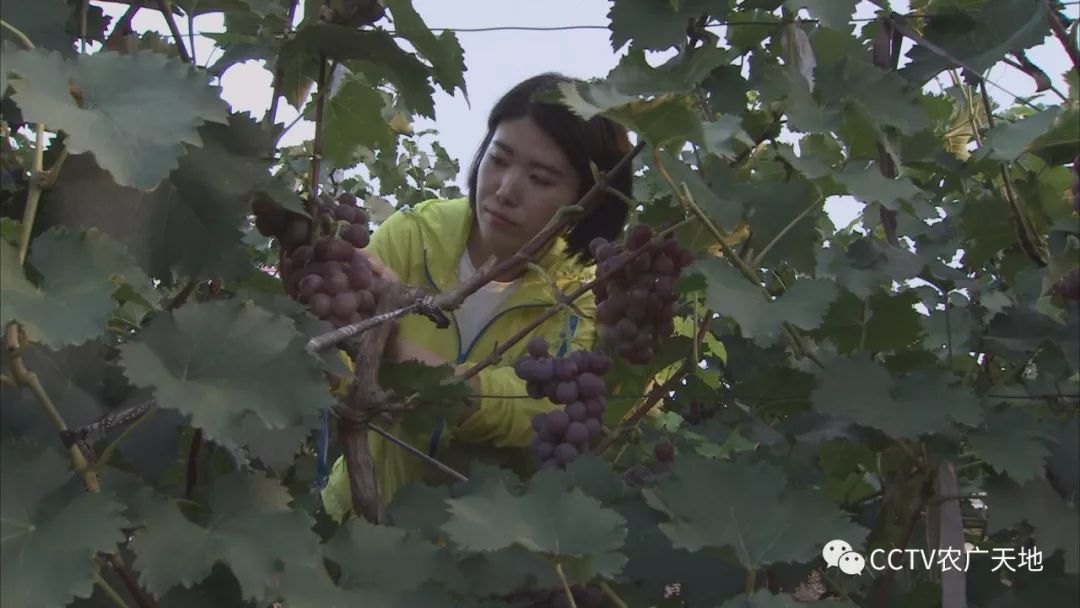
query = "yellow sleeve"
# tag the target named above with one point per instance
(395, 240)
(505, 416)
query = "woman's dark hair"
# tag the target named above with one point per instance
(598, 139)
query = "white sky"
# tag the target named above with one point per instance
(498, 60)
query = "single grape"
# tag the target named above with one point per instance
(638, 236)
(336, 283)
(594, 426)
(365, 302)
(308, 286)
(577, 433)
(565, 453)
(538, 421)
(557, 422)
(320, 305)
(538, 347)
(577, 411)
(567, 392)
(664, 451)
(590, 385)
(345, 305)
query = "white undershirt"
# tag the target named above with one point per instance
(476, 311)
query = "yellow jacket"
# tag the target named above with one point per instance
(423, 246)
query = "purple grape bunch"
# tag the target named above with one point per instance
(635, 309)
(329, 275)
(574, 381)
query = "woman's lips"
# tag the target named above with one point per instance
(500, 219)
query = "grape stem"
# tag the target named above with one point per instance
(165, 6)
(418, 453)
(1062, 36)
(565, 585)
(614, 597)
(317, 142)
(25, 377)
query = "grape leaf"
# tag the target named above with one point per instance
(91, 99)
(704, 576)
(353, 118)
(45, 521)
(832, 13)
(443, 51)
(775, 222)
(883, 322)
(867, 263)
(197, 236)
(729, 293)
(634, 76)
(761, 520)
(921, 403)
(73, 300)
(1008, 140)
(656, 26)
(544, 520)
(726, 211)
(868, 185)
(381, 558)
(217, 361)
(1013, 442)
(1056, 523)
(662, 120)
(251, 529)
(372, 53)
(887, 99)
(993, 29)
(506, 570)
(43, 22)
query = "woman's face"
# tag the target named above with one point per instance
(523, 179)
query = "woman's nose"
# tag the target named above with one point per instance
(508, 187)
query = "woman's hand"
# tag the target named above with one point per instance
(378, 268)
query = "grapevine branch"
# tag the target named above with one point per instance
(1062, 36)
(1025, 234)
(165, 6)
(317, 143)
(279, 74)
(25, 377)
(658, 392)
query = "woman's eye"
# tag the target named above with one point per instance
(540, 181)
(498, 161)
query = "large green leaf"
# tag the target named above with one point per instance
(136, 133)
(1013, 442)
(353, 118)
(43, 23)
(661, 121)
(372, 53)
(49, 530)
(218, 361)
(189, 225)
(443, 51)
(729, 293)
(723, 209)
(657, 26)
(382, 558)
(1056, 523)
(748, 508)
(882, 322)
(251, 529)
(980, 39)
(832, 13)
(783, 217)
(72, 302)
(868, 185)
(545, 520)
(921, 403)
(634, 75)
(1008, 140)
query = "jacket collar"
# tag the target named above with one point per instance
(446, 225)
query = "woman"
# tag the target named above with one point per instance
(534, 160)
